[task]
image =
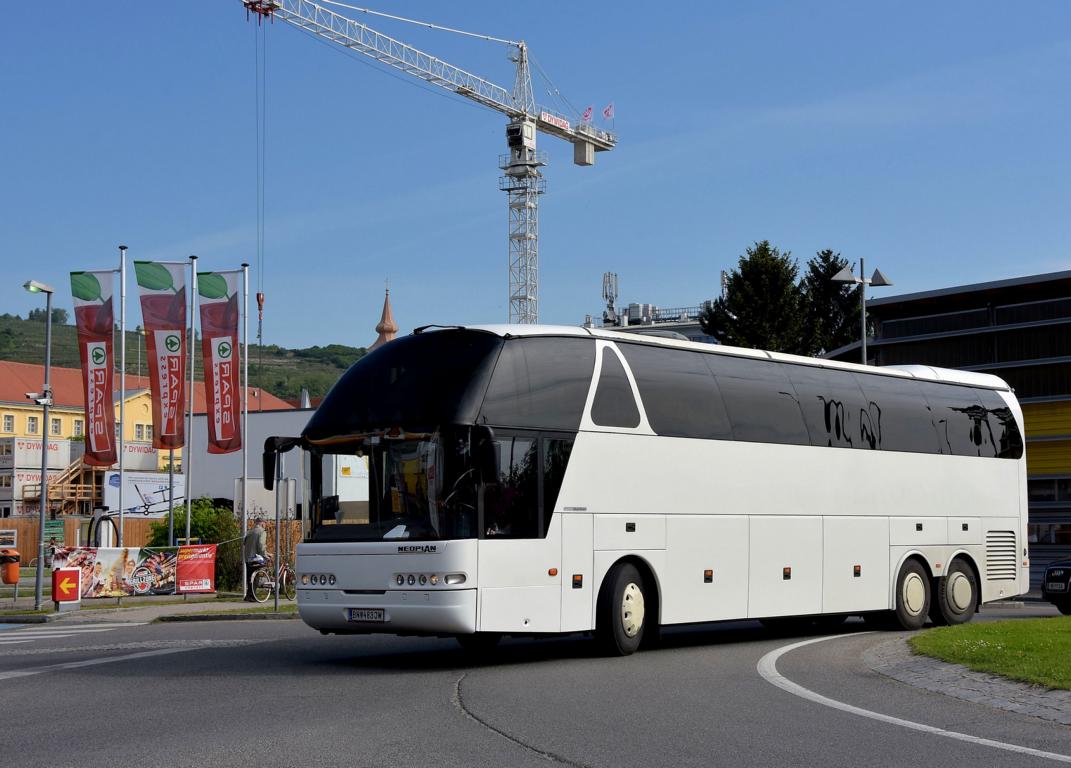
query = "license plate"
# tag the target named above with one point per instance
(368, 614)
(1055, 586)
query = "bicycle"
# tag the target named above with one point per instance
(262, 582)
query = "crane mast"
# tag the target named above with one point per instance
(522, 178)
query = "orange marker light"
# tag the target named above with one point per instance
(552, 572)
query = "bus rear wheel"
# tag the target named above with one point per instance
(957, 595)
(621, 611)
(912, 595)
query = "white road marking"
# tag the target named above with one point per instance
(767, 668)
(30, 671)
(50, 633)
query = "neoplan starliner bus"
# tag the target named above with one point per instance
(538, 480)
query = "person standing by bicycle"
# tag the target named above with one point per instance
(254, 551)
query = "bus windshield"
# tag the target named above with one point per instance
(413, 487)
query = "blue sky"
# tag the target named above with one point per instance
(928, 138)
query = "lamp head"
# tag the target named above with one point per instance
(845, 276)
(35, 287)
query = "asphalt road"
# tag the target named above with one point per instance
(275, 693)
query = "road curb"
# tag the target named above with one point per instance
(272, 616)
(31, 618)
(895, 659)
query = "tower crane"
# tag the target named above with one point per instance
(522, 180)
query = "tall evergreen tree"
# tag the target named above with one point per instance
(831, 309)
(763, 305)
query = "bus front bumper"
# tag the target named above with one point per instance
(433, 612)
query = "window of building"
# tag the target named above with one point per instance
(33, 425)
(5, 449)
(9, 422)
(148, 431)
(57, 427)
(5, 511)
(5, 481)
(614, 405)
(79, 427)
(1049, 533)
(139, 431)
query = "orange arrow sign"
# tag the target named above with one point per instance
(66, 584)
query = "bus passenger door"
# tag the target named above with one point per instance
(520, 547)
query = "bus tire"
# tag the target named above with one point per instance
(621, 611)
(957, 595)
(478, 642)
(912, 595)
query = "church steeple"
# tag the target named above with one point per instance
(387, 329)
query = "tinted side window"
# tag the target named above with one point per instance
(833, 406)
(679, 395)
(759, 399)
(511, 502)
(1006, 437)
(556, 452)
(540, 382)
(961, 422)
(614, 405)
(897, 416)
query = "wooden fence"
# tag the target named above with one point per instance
(75, 530)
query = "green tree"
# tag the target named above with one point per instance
(831, 309)
(59, 316)
(763, 305)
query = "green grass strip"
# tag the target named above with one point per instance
(1034, 651)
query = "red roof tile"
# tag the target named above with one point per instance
(16, 379)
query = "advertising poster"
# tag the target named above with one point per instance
(218, 292)
(163, 308)
(95, 319)
(196, 568)
(133, 571)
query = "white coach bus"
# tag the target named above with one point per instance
(539, 480)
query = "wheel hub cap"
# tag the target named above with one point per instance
(632, 609)
(959, 592)
(914, 594)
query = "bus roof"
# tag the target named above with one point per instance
(925, 372)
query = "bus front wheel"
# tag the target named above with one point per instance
(621, 611)
(912, 595)
(957, 595)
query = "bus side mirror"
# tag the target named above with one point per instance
(269, 459)
(484, 455)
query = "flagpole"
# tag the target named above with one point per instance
(122, 385)
(245, 414)
(188, 468)
(171, 497)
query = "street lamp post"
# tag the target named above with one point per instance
(877, 280)
(44, 399)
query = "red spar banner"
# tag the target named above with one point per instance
(196, 569)
(95, 319)
(163, 307)
(219, 347)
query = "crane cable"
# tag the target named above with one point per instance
(261, 51)
(427, 24)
